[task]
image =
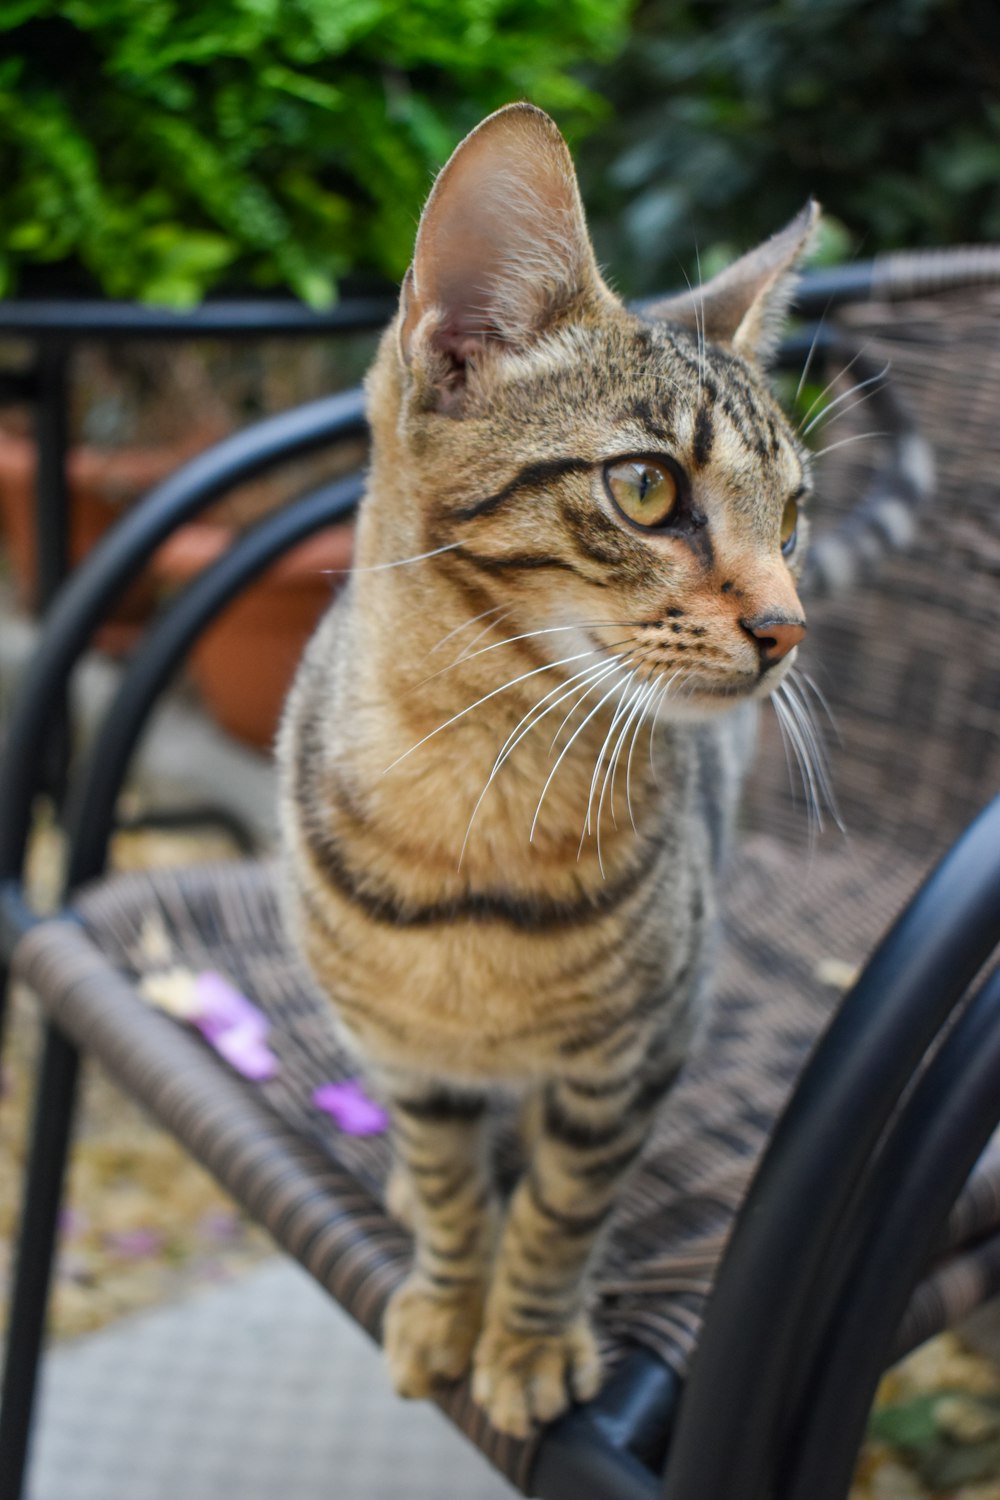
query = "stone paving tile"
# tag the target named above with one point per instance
(256, 1390)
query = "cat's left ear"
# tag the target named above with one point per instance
(502, 249)
(745, 305)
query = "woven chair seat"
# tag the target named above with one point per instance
(791, 919)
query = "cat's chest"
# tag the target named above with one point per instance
(500, 978)
(485, 1000)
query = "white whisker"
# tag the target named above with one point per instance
(573, 710)
(591, 675)
(805, 774)
(573, 685)
(829, 387)
(656, 713)
(622, 709)
(801, 707)
(844, 442)
(546, 667)
(809, 357)
(525, 635)
(400, 563)
(808, 681)
(802, 752)
(562, 755)
(654, 688)
(779, 719)
(467, 650)
(635, 705)
(844, 411)
(493, 610)
(698, 304)
(846, 395)
(701, 328)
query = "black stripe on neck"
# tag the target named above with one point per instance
(526, 912)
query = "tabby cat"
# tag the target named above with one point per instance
(581, 524)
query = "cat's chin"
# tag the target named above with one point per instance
(706, 700)
(705, 703)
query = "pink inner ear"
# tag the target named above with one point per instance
(502, 244)
(460, 346)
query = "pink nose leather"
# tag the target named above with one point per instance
(775, 638)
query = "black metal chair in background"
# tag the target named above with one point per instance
(860, 1234)
(53, 329)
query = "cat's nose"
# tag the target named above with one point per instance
(774, 638)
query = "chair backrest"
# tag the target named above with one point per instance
(910, 660)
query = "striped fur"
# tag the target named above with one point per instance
(543, 930)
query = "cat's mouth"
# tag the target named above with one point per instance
(727, 692)
(747, 685)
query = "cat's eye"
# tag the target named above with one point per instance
(643, 491)
(789, 526)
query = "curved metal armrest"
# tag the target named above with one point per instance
(935, 1141)
(773, 1294)
(896, 275)
(92, 804)
(94, 588)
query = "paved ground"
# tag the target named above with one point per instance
(257, 1390)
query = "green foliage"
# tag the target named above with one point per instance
(164, 146)
(951, 1438)
(731, 112)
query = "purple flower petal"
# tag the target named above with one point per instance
(220, 1225)
(245, 1050)
(234, 1026)
(219, 1005)
(135, 1243)
(72, 1221)
(349, 1105)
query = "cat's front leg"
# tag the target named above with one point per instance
(442, 1187)
(537, 1352)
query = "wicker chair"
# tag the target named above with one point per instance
(864, 1232)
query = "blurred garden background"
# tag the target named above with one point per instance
(162, 152)
(155, 150)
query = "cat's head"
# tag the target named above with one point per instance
(624, 479)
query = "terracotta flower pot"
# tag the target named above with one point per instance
(245, 662)
(101, 484)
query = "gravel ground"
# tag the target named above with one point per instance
(144, 1225)
(142, 1222)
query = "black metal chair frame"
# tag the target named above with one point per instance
(849, 1202)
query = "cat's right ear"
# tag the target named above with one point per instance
(745, 304)
(502, 249)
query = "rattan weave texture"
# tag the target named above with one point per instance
(909, 664)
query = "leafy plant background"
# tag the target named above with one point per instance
(163, 147)
(728, 115)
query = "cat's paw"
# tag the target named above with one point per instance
(429, 1334)
(525, 1378)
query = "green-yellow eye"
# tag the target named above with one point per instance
(789, 526)
(643, 491)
